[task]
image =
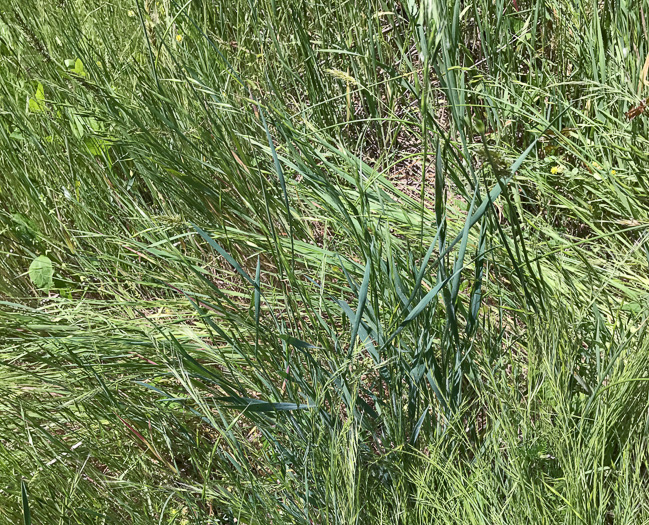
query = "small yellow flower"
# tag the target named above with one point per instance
(554, 170)
(99, 63)
(596, 166)
(131, 14)
(179, 38)
(613, 172)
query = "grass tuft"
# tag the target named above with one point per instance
(324, 263)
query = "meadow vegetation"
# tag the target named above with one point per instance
(324, 262)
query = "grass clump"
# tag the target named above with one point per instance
(323, 263)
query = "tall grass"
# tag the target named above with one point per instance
(323, 262)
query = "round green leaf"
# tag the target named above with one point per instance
(41, 272)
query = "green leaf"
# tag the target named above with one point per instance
(78, 68)
(40, 92)
(297, 343)
(224, 254)
(257, 405)
(41, 272)
(37, 104)
(362, 297)
(96, 147)
(27, 517)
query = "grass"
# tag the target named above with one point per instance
(323, 263)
